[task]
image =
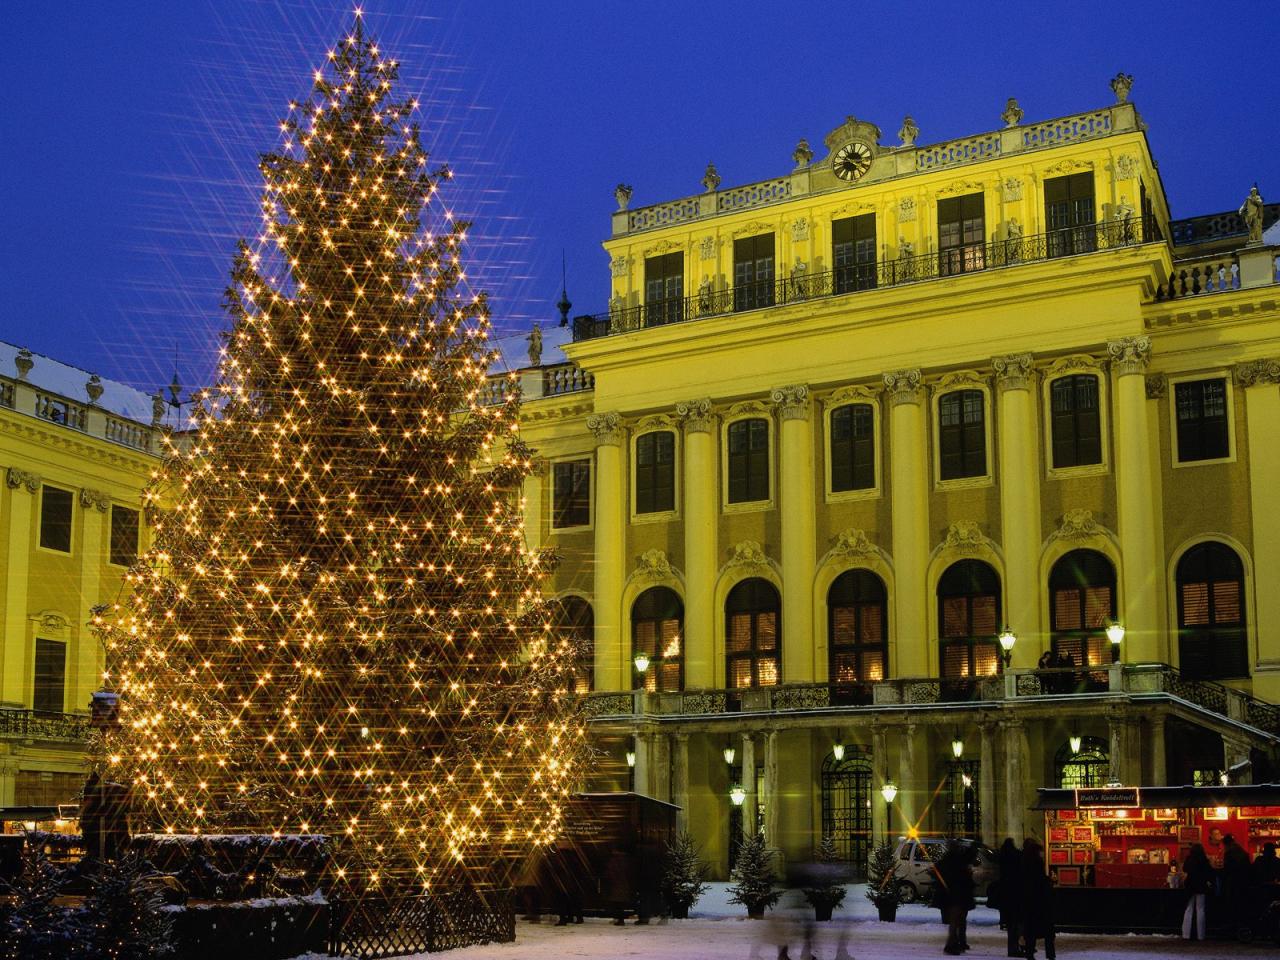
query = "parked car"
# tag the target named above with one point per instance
(916, 874)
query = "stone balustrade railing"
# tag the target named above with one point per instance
(910, 159)
(56, 409)
(129, 433)
(26, 398)
(1201, 275)
(534, 383)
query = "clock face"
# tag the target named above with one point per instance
(852, 160)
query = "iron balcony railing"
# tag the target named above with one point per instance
(40, 725)
(868, 275)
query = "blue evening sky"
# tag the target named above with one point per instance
(131, 129)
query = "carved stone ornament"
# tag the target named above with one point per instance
(1129, 354)
(961, 186)
(620, 266)
(905, 249)
(605, 427)
(1126, 167)
(93, 388)
(748, 553)
(802, 155)
(539, 467)
(1012, 115)
(1011, 189)
(853, 544)
(622, 193)
(906, 209)
(792, 401)
(908, 132)
(51, 621)
(696, 414)
(24, 362)
(1121, 84)
(707, 248)
(1077, 525)
(1157, 386)
(710, 178)
(94, 498)
(16, 479)
(800, 229)
(1013, 372)
(616, 305)
(965, 536)
(654, 565)
(1258, 372)
(903, 386)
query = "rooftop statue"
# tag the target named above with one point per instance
(1251, 214)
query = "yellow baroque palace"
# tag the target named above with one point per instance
(946, 468)
(77, 451)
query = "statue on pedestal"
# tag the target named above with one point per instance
(1251, 214)
(535, 346)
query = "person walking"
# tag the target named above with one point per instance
(1198, 873)
(1237, 885)
(954, 893)
(1007, 894)
(1266, 866)
(1037, 903)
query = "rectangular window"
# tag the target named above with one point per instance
(49, 694)
(748, 461)
(571, 494)
(961, 234)
(124, 535)
(853, 253)
(753, 272)
(1069, 214)
(853, 450)
(962, 434)
(656, 472)
(664, 289)
(1201, 407)
(1075, 421)
(55, 519)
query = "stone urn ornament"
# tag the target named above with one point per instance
(711, 179)
(802, 155)
(24, 362)
(1121, 84)
(93, 388)
(1012, 115)
(909, 131)
(622, 193)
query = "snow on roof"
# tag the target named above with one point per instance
(1271, 237)
(68, 381)
(514, 347)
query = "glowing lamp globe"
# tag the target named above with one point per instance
(889, 791)
(737, 795)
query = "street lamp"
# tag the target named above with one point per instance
(957, 746)
(889, 791)
(838, 751)
(729, 754)
(1007, 639)
(642, 662)
(1074, 741)
(1115, 633)
(737, 795)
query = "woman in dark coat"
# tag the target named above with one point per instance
(955, 894)
(1037, 902)
(1198, 883)
(1007, 893)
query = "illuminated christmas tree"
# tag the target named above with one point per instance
(339, 628)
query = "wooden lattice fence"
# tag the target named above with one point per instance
(376, 927)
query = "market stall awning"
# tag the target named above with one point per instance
(1237, 795)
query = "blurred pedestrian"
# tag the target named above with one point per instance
(1197, 881)
(954, 894)
(1006, 894)
(1037, 903)
(1237, 882)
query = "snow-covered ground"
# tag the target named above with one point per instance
(718, 930)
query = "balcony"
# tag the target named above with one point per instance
(39, 725)
(869, 275)
(90, 419)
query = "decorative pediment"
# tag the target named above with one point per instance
(50, 622)
(1079, 525)
(748, 553)
(853, 545)
(1067, 166)
(959, 379)
(852, 209)
(748, 406)
(962, 186)
(654, 567)
(966, 537)
(853, 394)
(852, 129)
(658, 421)
(756, 226)
(1076, 363)
(664, 247)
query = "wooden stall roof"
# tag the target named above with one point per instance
(625, 795)
(1238, 795)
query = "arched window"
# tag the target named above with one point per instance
(1090, 766)
(1212, 643)
(576, 624)
(857, 624)
(1082, 601)
(969, 620)
(657, 629)
(753, 645)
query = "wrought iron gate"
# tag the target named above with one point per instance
(846, 807)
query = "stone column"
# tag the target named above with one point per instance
(1015, 758)
(24, 487)
(1262, 419)
(87, 671)
(680, 779)
(906, 801)
(613, 663)
(1020, 504)
(987, 784)
(642, 779)
(701, 496)
(1155, 744)
(1120, 747)
(771, 790)
(749, 816)
(1141, 567)
(881, 825)
(909, 506)
(8, 781)
(535, 513)
(660, 767)
(796, 512)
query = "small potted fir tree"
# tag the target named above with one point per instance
(683, 876)
(753, 876)
(826, 890)
(882, 885)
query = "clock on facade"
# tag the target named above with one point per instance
(852, 160)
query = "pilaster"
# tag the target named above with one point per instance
(613, 667)
(909, 505)
(1262, 420)
(1156, 749)
(906, 801)
(535, 512)
(1020, 503)
(87, 670)
(771, 789)
(796, 511)
(701, 498)
(1140, 562)
(1015, 759)
(987, 782)
(23, 487)
(881, 827)
(680, 778)
(749, 815)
